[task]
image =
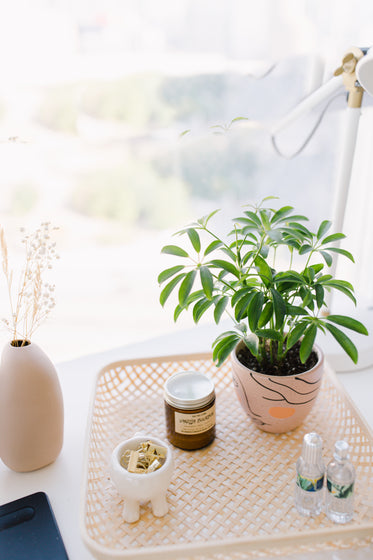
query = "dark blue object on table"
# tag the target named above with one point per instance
(29, 531)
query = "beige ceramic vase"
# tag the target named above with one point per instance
(274, 403)
(31, 409)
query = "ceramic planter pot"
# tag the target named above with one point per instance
(31, 409)
(274, 403)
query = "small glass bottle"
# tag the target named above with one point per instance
(340, 479)
(310, 476)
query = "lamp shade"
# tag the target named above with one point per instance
(364, 71)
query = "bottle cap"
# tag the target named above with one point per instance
(312, 448)
(341, 449)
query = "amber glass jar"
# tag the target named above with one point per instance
(190, 409)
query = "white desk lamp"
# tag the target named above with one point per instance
(356, 76)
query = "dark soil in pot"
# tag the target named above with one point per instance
(291, 365)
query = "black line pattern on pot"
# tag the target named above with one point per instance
(289, 402)
(257, 420)
(295, 391)
(279, 393)
(308, 382)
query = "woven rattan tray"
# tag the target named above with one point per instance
(231, 500)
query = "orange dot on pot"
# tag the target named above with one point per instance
(281, 411)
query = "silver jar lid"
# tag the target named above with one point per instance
(189, 390)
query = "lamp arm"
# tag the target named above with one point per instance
(323, 92)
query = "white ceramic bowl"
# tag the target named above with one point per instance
(136, 488)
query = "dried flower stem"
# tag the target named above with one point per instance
(34, 298)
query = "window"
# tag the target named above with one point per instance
(122, 119)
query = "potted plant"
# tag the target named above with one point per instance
(276, 312)
(31, 405)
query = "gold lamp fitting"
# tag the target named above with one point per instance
(348, 71)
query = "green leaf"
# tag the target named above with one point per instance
(293, 233)
(236, 119)
(265, 219)
(324, 278)
(241, 307)
(200, 307)
(247, 222)
(194, 239)
(307, 343)
(342, 252)
(295, 334)
(223, 346)
(292, 243)
(300, 228)
(306, 296)
(213, 245)
(220, 307)
(295, 310)
(174, 250)
(207, 281)
(281, 213)
(177, 312)
(186, 287)
(205, 219)
(342, 283)
(229, 252)
(227, 266)
(319, 296)
(264, 251)
(252, 343)
(165, 293)
(342, 339)
(309, 275)
(327, 279)
(333, 237)
(241, 327)
(323, 228)
(341, 286)
(254, 217)
(271, 334)
(266, 314)
(166, 274)
(317, 267)
(289, 276)
(254, 310)
(348, 322)
(297, 217)
(225, 352)
(328, 258)
(198, 294)
(275, 235)
(269, 197)
(249, 255)
(279, 307)
(224, 335)
(240, 294)
(264, 271)
(305, 249)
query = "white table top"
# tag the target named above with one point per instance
(62, 480)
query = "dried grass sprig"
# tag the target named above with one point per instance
(34, 298)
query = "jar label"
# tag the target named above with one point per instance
(195, 423)
(342, 491)
(310, 484)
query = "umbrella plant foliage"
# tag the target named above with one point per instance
(271, 309)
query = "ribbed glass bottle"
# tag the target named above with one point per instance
(310, 470)
(340, 480)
